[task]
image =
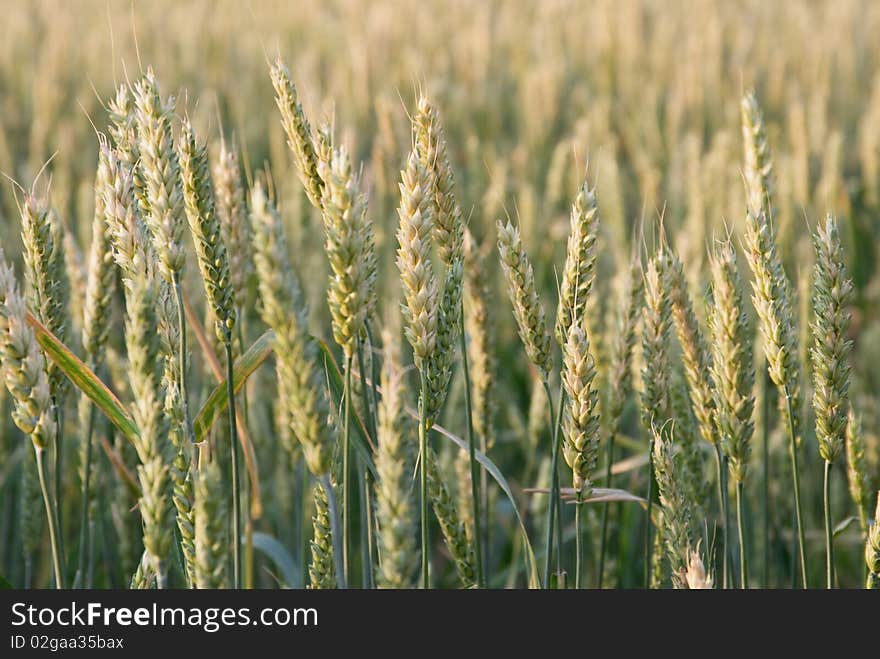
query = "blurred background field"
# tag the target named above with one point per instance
(642, 97)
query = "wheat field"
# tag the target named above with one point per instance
(506, 294)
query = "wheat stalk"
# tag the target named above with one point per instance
(832, 290)
(213, 259)
(696, 356)
(24, 372)
(142, 293)
(732, 377)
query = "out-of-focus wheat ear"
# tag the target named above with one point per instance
(451, 527)
(204, 223)
(479, 326)
(872, 550)
(417, 277)
(655, 372)
(732, 364)
(211, 544)
(687, 440)
(832, 291)
(75, 272)
(677, 513)
(580, 262)
(656, 325)
(521, 289)
(695, 353)
(301, 381)
(758, 170)
(695, 576)
(298, 131)
(620, 381)
(100, 287)
(234, 226)
(321, 569)
(160, 171)
(857, 468)
(395, 509)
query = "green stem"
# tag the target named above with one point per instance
(765, 499)
(367, 526)
(181, 357)
(50, 516)
(374, 376)
(423, 475)
(233, 454)
(248, 566)
(367, 517)
(793, 452)
(829, 537)
(248, 522)
(600, 570)
(369, 420)
(85, 547)
(484, 506)
(579, 549)
(722, 502)
(161, 577)
(305, 526)
(649, 546)
(58, 469)
(743, 554)
(475, 484)
(346, 477)
(554, 480)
